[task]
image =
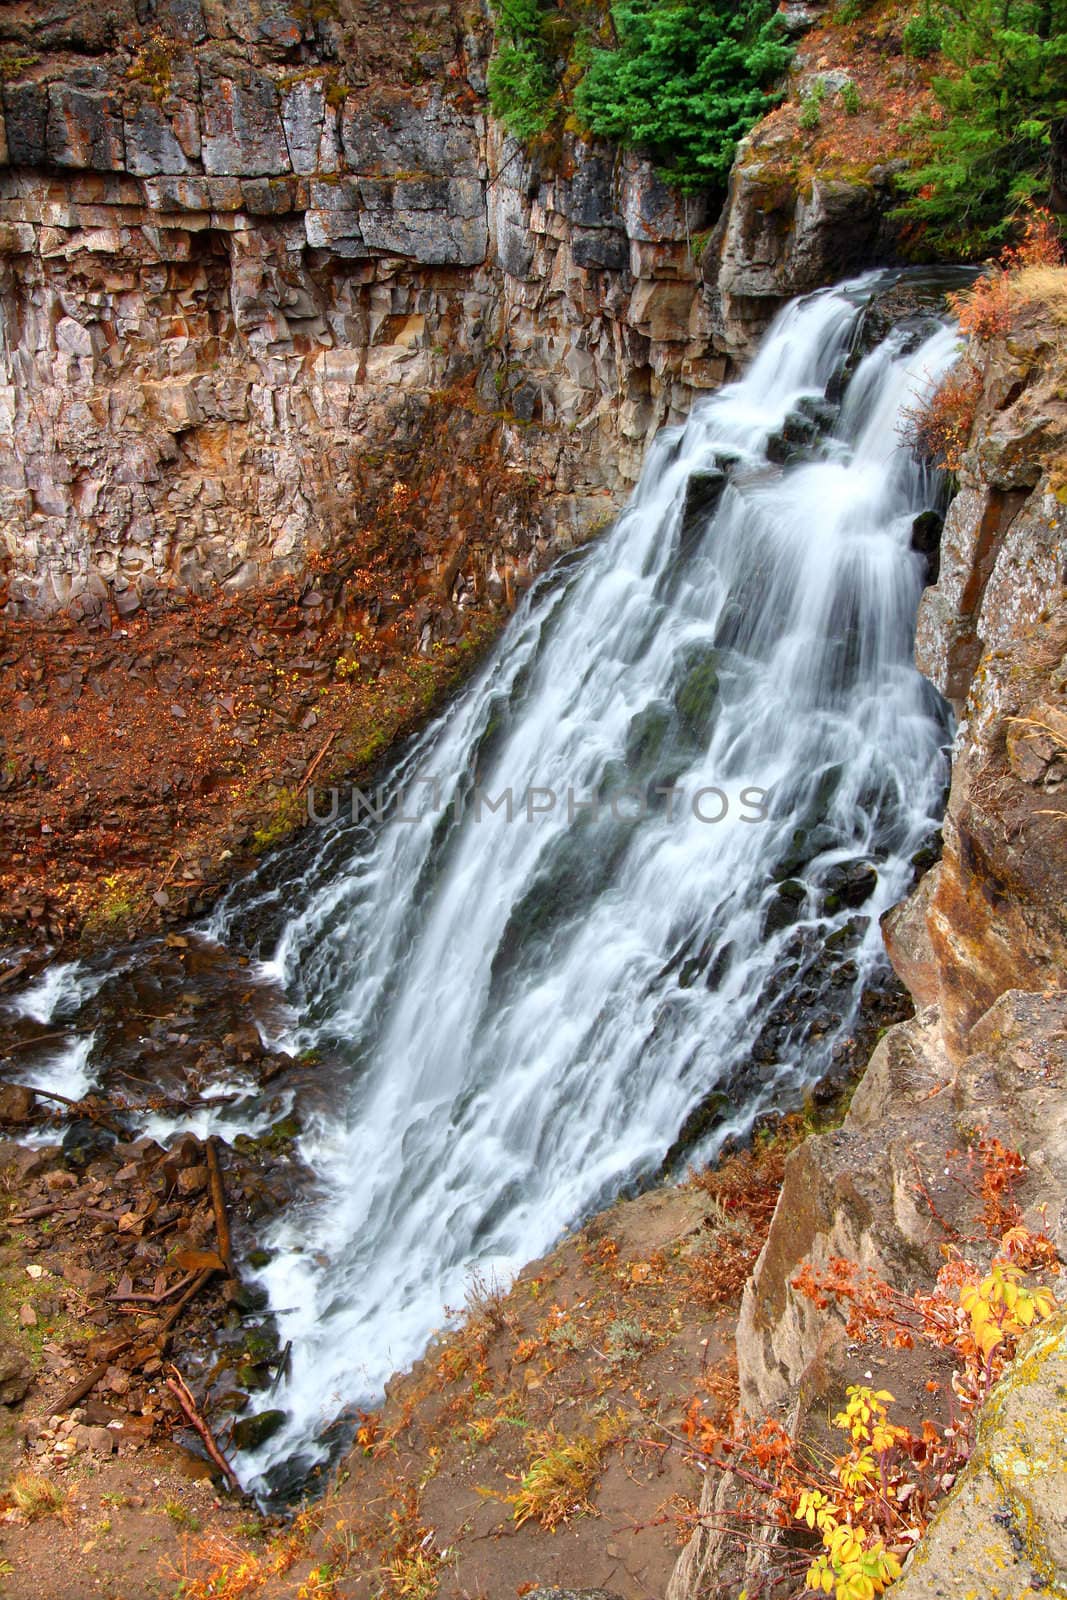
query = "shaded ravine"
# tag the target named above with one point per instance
(516, 1015)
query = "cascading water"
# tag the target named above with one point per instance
(720, 759)
(529, 1008)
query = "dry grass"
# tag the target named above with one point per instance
(1046, 286)
(35, 1496)
(938, 428)
(560, 1479)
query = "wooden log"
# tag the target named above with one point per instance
(218, 1204)
(85, 1385)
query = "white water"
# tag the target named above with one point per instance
(518, 1016)
(515, 1049)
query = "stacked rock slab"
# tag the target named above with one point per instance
(225, 271)
(242, 245)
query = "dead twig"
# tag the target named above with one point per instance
(84, 1108)
(310, 773)
(27, 1044)
(85, 1385)
(156, 1299)
(180, 1390)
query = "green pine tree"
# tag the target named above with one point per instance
(688, 80)
(521, 80)
(1003, 105)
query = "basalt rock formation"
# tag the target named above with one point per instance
(242, 247)
(237, 257)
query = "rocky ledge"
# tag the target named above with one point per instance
(980, 944)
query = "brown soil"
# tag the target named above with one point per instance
(600, 1348)
(589, 1365)
(121, 1531)
(145, 761)
(893, 94)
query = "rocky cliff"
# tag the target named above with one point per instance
(981, 946)
(242, 247)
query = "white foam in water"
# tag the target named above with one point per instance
(62, 987)
(65, 1071)
(522, 1014)
(514, 1001)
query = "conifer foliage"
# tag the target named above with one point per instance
(684, 79)
(521, 79)
(686, 83)
(1003, 115)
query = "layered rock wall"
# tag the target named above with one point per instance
(225, 273)
(243, 245)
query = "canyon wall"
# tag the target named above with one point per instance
(243, 247)
(982, 945)
(227, 273)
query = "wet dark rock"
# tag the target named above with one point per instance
(704, 1117)
(251, 1432)
(823, 413)
(720, 966)
(696, 695)
(848, 884)
(785, 908)
(928, 854)
(848, 936)
(926, 541)
(804, 846)
(794, 440)
(249, 1296)
(647, 737)
(85, 1141)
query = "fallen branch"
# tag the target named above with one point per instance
(28, 1044)
(180, 1390)
(218, 1203)
(34, 1212)
(160, 1102)
(310, 773)
(156, 1299)
(284, 1364)
(75, 1395)
(175, 1312)
(84, 1108)
(11, 973)
(86, 1385)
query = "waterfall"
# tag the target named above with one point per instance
(635, 868)
(716, 747)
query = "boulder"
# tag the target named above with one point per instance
(16, 1102)
(16, 1375)
(251, 1432)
